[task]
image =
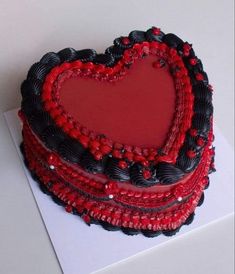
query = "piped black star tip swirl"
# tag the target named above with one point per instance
(202, 92)
(86, 55)
(150, 233)
(170, 233)
(68, 55)
(152, 36)
(130, 231)
(39, 70)
(208, 183)
(168, 173)
(118, 42)
(201, 123)
(71, 151)
(31, 87)
(115, 51)
(105, 59)
(190, 219)
(137, 178)
(91, 165)
(172, 40)
(137, 36)
(31, 104)
(58, 201)
(44, 189)
(201, 201)
(39, 121)
(53, 136)
(51, 58)
(114, 172)
(108, 226)
(186, 163)
(203, 107)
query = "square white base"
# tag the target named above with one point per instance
(83, 249)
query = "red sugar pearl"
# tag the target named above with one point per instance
(145, 163)
(98, 155)
(125, 41)
(199, 76)
(146, 174)
(187, 47)
(191, 154)
(193, 61)
(122, 164)
(200, 142)
(156, 31)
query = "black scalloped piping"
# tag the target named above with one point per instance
(43, 125)
(106, 225)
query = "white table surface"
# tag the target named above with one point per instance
(28, 29)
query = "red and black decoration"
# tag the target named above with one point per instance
(142, 190)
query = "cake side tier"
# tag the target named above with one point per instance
(76, 194)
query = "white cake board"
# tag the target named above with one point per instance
(82, 249)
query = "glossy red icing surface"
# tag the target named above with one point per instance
(136, 110)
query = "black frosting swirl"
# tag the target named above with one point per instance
(68, 55)
(150, 36)
(51, 58)
(106, 59)
(52, 136)
(185, 163)
(70, 150)
(137, 36)
(31, 87)
(167, 173)
(39, 70)
(172, 40)
(137, 178)
(114, 172)
(90, 164)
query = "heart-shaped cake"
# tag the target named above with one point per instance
(122, 139)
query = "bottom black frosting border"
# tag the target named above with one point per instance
(107, 226)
